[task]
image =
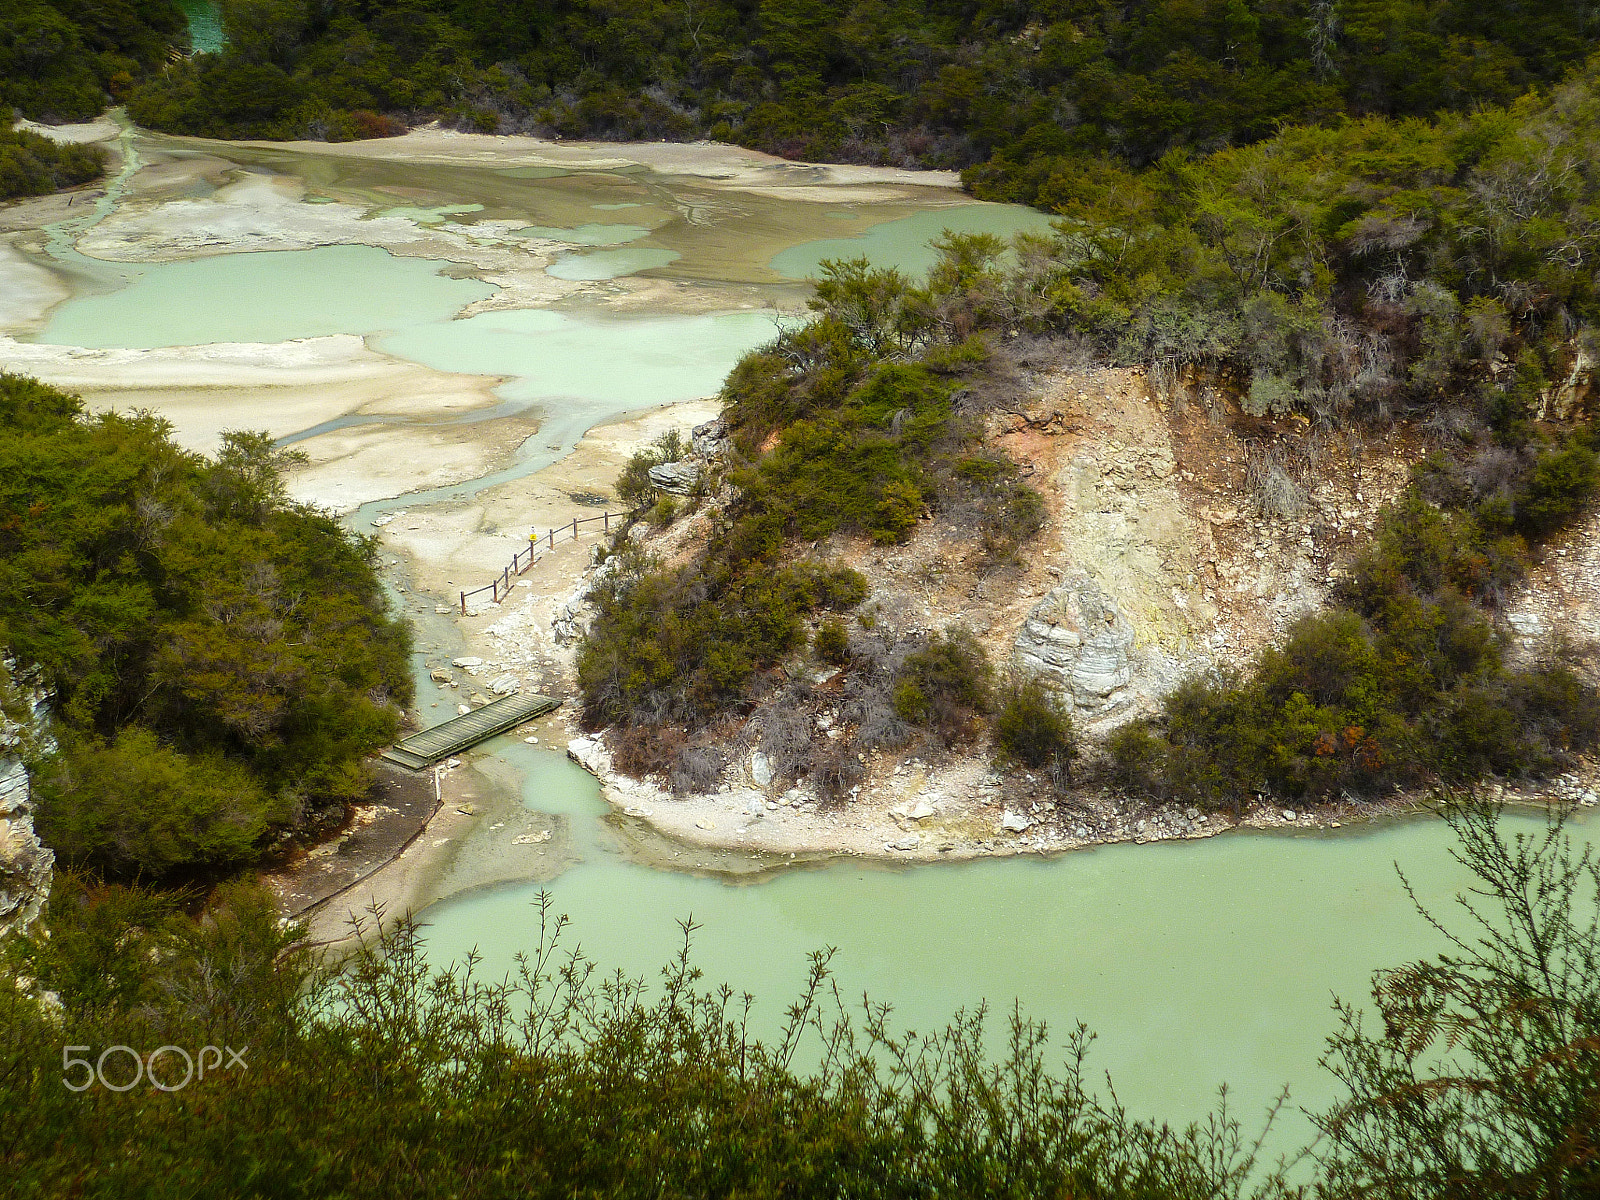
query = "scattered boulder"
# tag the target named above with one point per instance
(679, 478)
(466, 664)
(711, 439)
(760, 769)
(905, 843)
(506, 685)
(439, 675)
(1014, 822)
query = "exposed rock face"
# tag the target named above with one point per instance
(25, 862)
(1078, 641)
(711, 439)
(678, 478)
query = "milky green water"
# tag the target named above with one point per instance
(270, 296)
(904, 244)
(613, 363)
(610, 264)
(1197, 963)
(205, 25)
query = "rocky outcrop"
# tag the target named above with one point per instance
(25, 862)
(679, 478)
(1078, 642)
(710, 440)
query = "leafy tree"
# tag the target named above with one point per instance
(221, 660)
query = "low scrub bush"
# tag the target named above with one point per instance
(831, 642)
(1031, 730)
(946, 686)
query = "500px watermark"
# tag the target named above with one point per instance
(124, 1058)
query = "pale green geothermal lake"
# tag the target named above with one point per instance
(1197, 963)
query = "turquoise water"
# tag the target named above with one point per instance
(270, 296)
(205, 25)
(610, 264)
(1197, 963)
(614, 363)
(903, 244)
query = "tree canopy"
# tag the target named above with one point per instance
(219, 659)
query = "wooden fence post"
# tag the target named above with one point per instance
(463, 604)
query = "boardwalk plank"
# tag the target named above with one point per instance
(428, 747)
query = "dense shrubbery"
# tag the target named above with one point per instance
(391, 1078)
(1031, 730)
(862, 422)
(1400, 683)
(668, 648)
(66, 59)
(1029, 87)
(946, 685)
(31, 165)
(219, 660)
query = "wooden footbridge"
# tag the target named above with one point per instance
(428, 747)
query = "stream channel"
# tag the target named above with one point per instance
(1196, 963)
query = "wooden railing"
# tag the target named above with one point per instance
(523, 559)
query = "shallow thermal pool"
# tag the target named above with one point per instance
(904, 243)
(1196, 963)
(265, 296)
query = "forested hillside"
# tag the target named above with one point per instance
(1018, 86)
(1334, 279)
(65, 60)
(218, 661)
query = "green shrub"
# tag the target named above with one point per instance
(634, 488)
(831, 642)
(1031, 729)
(185, 606)
(663, 511)
(1561, 484)
(945, 686)
(133, 808)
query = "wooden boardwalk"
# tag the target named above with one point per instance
(428, 747)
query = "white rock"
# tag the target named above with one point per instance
(532, 741)
(1288, 814)
(760, 769)
(1014, 822)
(905, 843)
(463, 709)
(704, 825)
(466, 662)
(531, 839)
(921, 810)
(506, 685)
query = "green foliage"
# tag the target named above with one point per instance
(1031, 729)
(947, 686)
(31, 165)
(134, 806)
(390, 1076)
(681, 646)
(387, 1075)
(1345, 705)
(831, 642)
(220, 659)
(65, 59)
(633, 486)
